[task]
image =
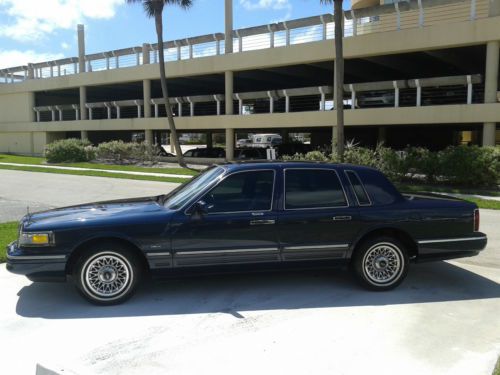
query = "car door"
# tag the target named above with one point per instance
(317, 222)
(237, 226)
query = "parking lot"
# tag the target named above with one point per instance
(442, 320)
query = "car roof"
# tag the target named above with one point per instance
(248, 165)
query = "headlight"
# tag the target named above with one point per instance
(36, 239)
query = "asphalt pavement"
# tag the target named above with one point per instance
(442, 320)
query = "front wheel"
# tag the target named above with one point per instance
(380, 263)
(107, 274)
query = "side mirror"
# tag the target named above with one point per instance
(200, 208)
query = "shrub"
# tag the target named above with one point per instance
(121, 151)
(68, 150)
(471, 165)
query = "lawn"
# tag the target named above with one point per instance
(8, 233)
(128, 168)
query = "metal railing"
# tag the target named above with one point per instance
(402, 93)
(390, 17)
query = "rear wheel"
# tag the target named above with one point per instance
(107, 274)
(380, 263)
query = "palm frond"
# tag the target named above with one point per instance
(152, 7)
(327, 1)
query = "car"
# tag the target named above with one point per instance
(250, 154)
(254, 216)
(244, 142)
(213, 152)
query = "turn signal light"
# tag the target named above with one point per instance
(476, 220)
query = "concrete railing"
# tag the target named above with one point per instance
(390, 17)
(386, 93)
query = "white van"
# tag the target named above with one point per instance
(266, 140)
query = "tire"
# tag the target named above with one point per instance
(107, 274)
(380, 263)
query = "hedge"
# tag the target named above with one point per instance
(69, 150)
(456, 165)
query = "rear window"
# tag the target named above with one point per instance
(359, 189)
(313, 188)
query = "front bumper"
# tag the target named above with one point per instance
(34, 265)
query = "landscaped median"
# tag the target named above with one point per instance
(39, 164)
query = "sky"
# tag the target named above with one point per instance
(35, 30)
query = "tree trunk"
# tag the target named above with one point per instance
(163, 80)
(339, 75)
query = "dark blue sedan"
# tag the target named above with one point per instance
(247, 217)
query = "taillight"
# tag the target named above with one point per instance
(476, 220)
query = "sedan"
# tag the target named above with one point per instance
(247, 217)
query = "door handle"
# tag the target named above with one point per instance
(342, 218)
(262, 222)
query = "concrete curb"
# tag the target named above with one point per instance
(45, 370)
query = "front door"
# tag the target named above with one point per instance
(238, 226)
(317, 222)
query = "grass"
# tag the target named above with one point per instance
(496, 371)
(414, 188)
(94, 173)
(4, 158)
(8, 233)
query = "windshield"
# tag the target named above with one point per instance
(184, 193)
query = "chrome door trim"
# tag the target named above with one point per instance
(153, 255)
(228, 251)
(452, 240)
(319, 247)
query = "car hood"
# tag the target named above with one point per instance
(111, 211)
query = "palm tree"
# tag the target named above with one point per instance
(154, 9)
(339, 74)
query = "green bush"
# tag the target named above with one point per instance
(456, 165)
(69, 150)
(470, 165)
(120, 151)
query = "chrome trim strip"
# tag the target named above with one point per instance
(326, 247)
(229, 251)
(36, 257)
(313, 208)
(453, 240)
(152, 255)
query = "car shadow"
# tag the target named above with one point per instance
(235, 294)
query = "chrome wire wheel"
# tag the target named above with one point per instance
(107, 275)
(383, 264)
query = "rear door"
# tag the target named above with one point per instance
(317, 221)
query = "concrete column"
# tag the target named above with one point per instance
(145, 53)
(382, 135)
(32, 114)
(146, 87)
(210, 142)
(494, 8)
(491, 88)
(229, 26)
(83, 101)
(149, 136)
(229, 84)
(84, 134)
(81, 48)
(31, 71)
(229, 144)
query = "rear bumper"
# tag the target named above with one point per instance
(450, 248)
(37, 267)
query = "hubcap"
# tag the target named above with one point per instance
(107, 275)
(382, 263)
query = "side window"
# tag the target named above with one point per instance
(244, 191)
(358, 188)
(313, 188)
